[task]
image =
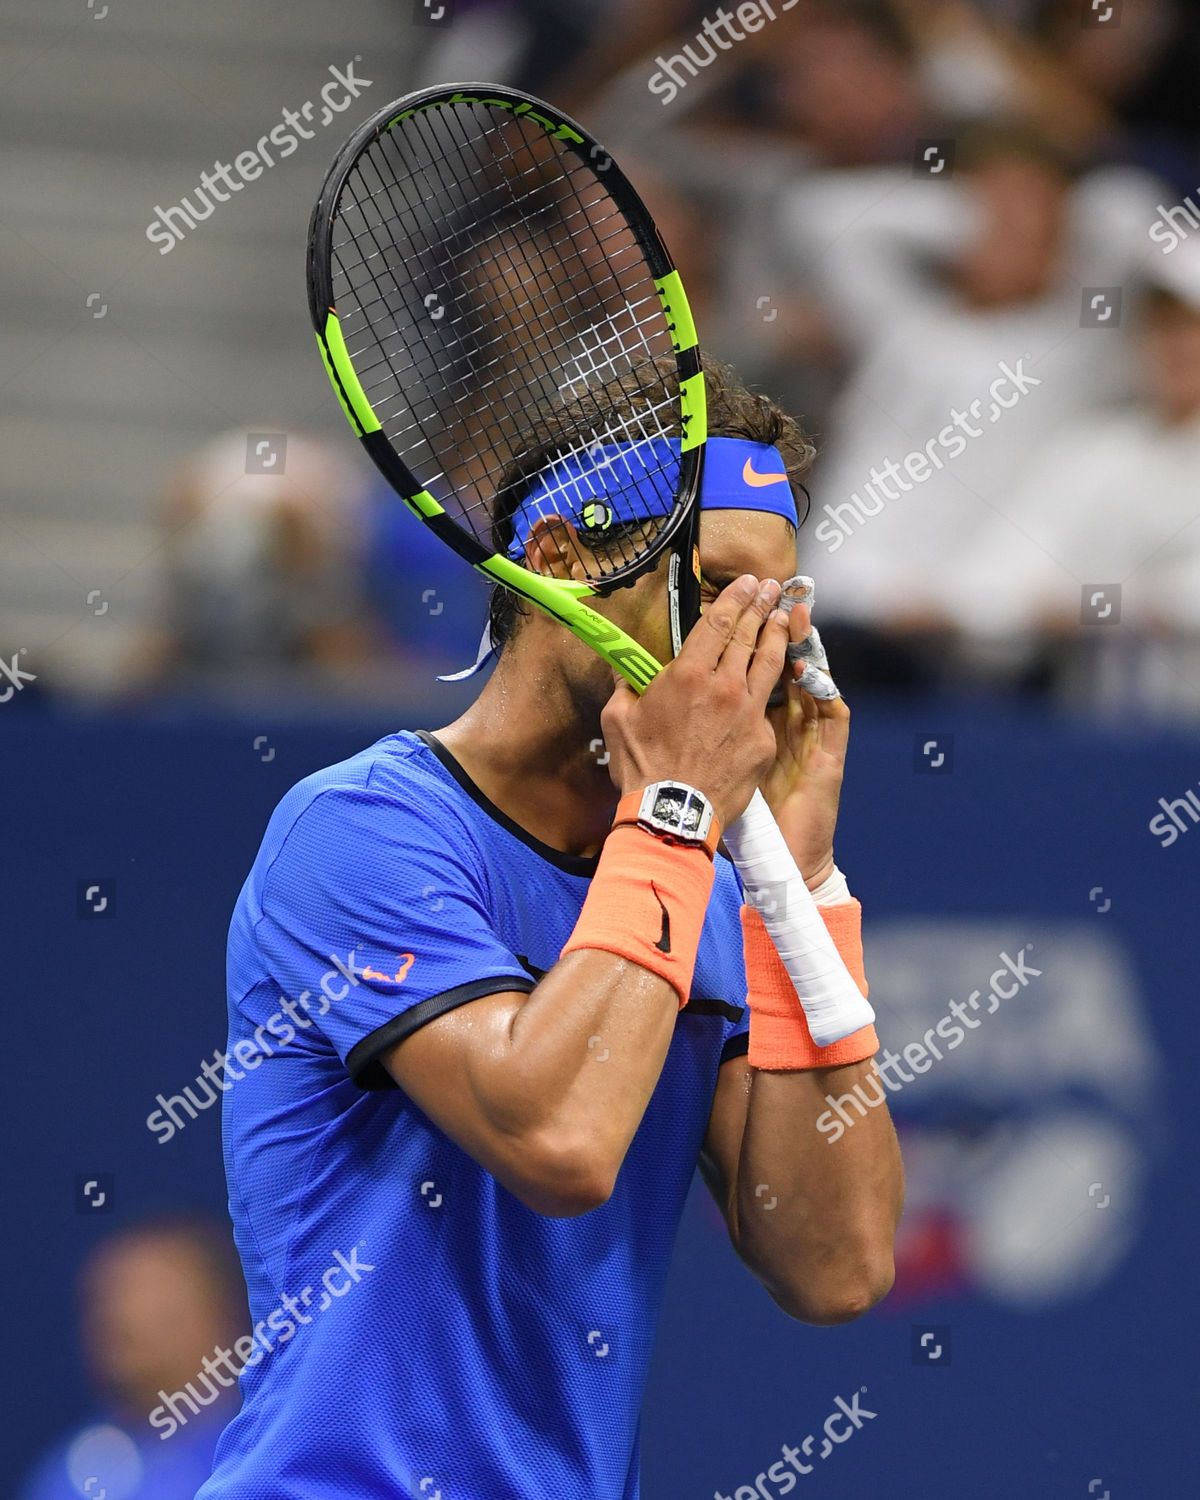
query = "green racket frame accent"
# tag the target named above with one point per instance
(693, 412)
(424, 504)
(680, 322)
(556, 125)
(560, 598)
(340, 369)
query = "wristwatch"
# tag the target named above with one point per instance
(675, 812)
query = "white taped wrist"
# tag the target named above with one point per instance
(834, 1006)
(833, 891)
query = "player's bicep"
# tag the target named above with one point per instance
(444, 1069)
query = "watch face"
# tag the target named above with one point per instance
(669, 805)
(678, 807)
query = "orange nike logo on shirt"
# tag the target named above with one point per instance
(756, 480)
(401, 974)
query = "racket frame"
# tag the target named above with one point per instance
(561, 598)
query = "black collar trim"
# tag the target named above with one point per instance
(573, 864)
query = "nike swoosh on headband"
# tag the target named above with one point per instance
(626, 482)
(756, 480)
(615, 483)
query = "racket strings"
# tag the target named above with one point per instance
(448, 238)
(542, 244)
(487, 387)
(603, 243)
(347, 269)
(504, 260)
(519, 306)
(492, 294)
(461, 321)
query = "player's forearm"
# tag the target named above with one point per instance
(815, 1216)
(564, 1085)
(546, 1090)
(586, 1051)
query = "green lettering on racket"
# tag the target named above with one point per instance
(557, 128)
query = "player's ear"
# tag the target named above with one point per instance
(553, 550)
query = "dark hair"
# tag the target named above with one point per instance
(733, 411)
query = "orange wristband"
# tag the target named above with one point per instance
(779, 1034)
(647, 903)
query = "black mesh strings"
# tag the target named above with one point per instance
(500, 313)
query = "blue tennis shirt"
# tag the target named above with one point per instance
(417, 1328)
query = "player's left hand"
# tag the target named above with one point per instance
(812, 731)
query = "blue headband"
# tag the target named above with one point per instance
(619, 483)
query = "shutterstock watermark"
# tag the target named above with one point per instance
(1013, 975)
(951, 442)
(1168, 825)
(13, 677)
(780, 1478)
(171, 225)
(718, 33)
(221, 1368)
(280, 1028)
(1174, 224)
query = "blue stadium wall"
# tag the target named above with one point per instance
(1039, 1339)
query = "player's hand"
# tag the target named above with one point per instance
(812, 731)
(703, 719)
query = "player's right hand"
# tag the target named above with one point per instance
(703, 719)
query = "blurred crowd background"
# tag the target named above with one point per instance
(960, 240)
(883, 209)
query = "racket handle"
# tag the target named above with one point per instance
(834, 1006)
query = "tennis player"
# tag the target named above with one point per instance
(493, 996)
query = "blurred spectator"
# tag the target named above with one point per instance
(961, 304)
(527, 42)
(156, 1300)
(879, 303)
(1110, 508)
(308, 575)
(827, 83)
(940, 322)
(845, 84)
(1141, 67)
(263, 560)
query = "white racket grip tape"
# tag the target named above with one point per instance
(834, 1006)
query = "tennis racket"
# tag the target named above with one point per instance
(493, 302)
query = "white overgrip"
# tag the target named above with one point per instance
(834, 1006)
